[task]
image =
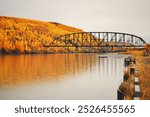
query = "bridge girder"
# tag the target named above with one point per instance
(97, 39)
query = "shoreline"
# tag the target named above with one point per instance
(1, 54)
(143, 66)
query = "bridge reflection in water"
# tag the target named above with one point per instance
(60, 76)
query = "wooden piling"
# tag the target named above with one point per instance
(137, 92)
(120, 95)
(132, 71)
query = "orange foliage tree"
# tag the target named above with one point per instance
(29, 36)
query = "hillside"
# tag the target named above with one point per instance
(19, 35)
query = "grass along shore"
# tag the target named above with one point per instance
(143, 66)
(144, 75)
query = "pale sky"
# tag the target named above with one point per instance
(131, 16)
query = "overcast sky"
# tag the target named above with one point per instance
(131, 16)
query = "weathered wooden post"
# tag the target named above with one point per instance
(132, 71)
(125, 77)
(127, 61)
(120, 95)
(134, 61)
(136, 81)
(137, 92)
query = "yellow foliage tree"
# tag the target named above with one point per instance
(29, 36)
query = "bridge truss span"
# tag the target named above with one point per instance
(98, 39)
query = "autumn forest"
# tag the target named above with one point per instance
(23, 36)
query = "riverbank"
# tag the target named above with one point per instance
(144, 75)
(143, 66)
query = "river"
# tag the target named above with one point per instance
(60, 76)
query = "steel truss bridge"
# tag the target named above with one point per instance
(98, 39)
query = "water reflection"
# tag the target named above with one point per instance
(60, 76)
(27, 68)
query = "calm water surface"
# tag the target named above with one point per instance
(60, 76)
